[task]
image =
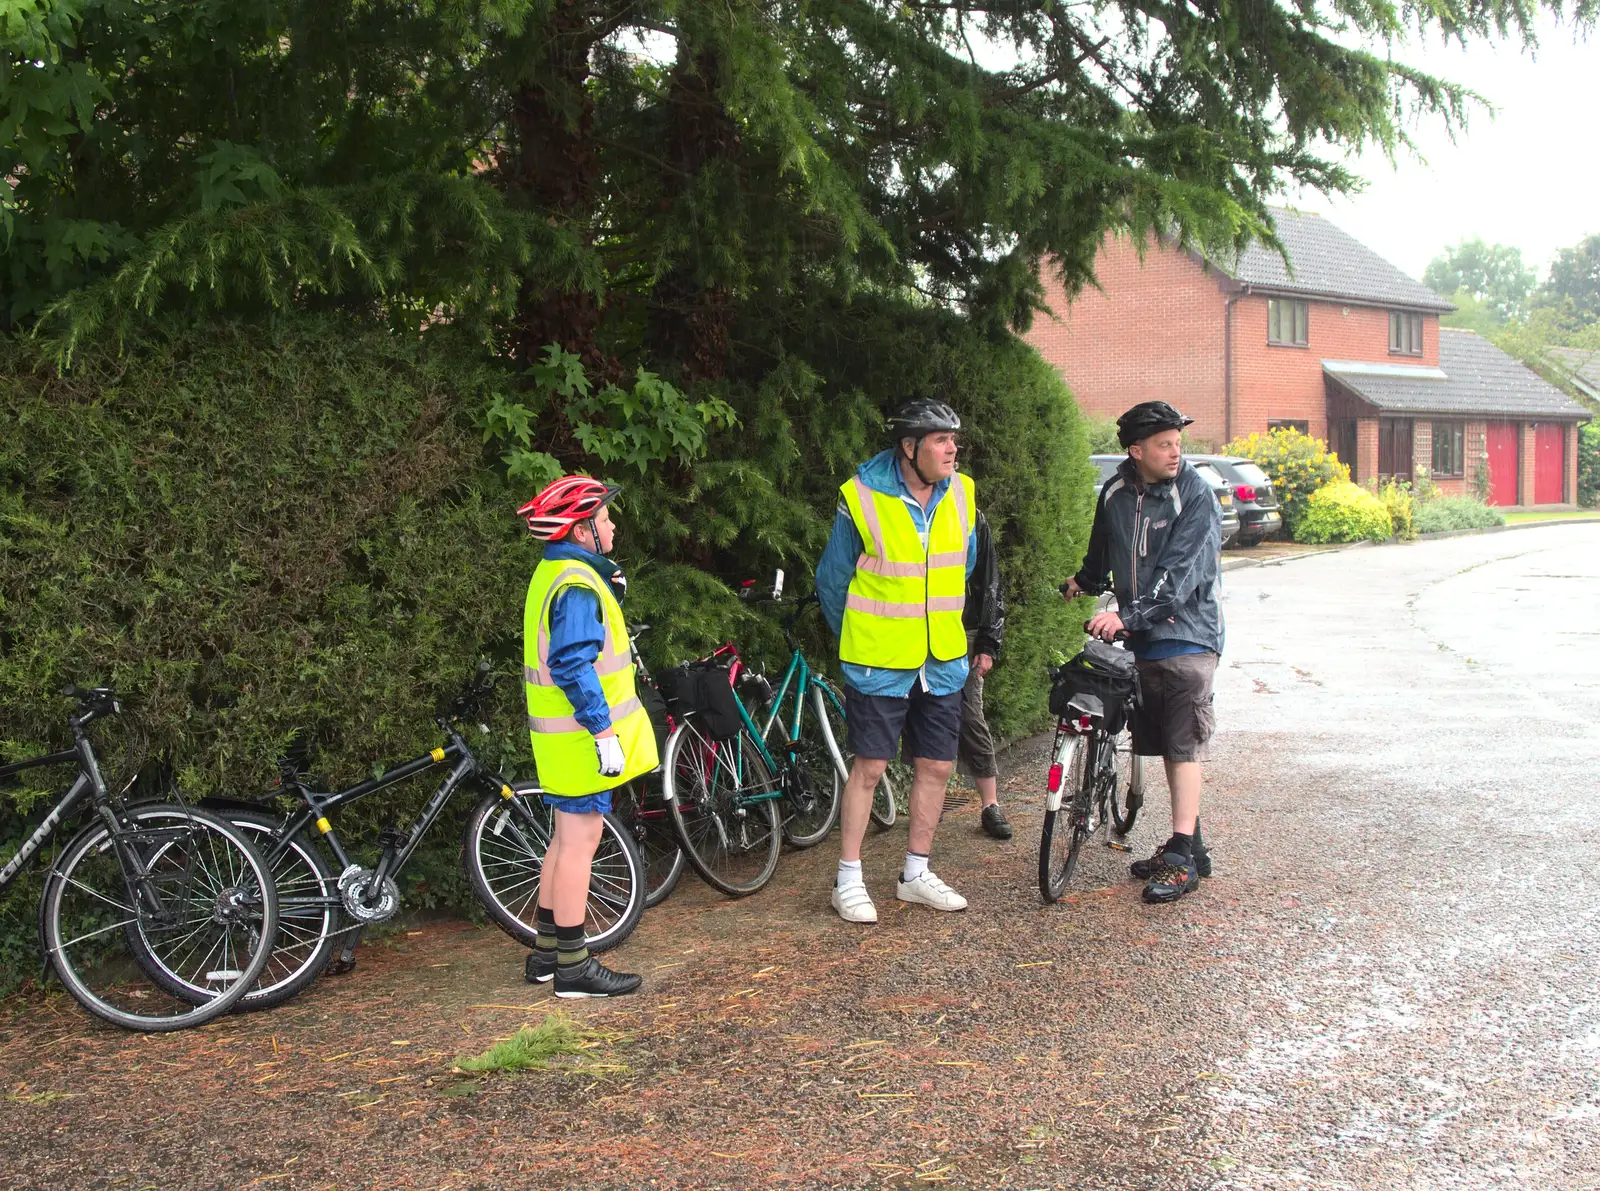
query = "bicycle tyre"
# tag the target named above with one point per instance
(822, 758)
(310, 914)
(884, 811)
(716, 824)
(181, 840)
(503, 851)
(656, 842)
(1128, 796)
(1064, 830)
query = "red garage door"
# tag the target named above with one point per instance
(1550, 464)
(1500, 441)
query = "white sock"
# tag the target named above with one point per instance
(916, 865)
(849, 874)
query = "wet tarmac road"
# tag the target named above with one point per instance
(1411, 771)
(1390, 983)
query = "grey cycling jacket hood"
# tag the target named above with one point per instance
(1158, 546)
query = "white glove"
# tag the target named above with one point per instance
(611, 759)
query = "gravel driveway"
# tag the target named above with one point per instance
(1389, 983)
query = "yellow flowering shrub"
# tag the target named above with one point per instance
(1297, 464)
(1343, 512)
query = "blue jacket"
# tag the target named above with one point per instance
(576, 634)
(837, 567)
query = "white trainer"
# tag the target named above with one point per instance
(927, 890)
(853, 903)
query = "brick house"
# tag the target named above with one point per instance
(1345, 347)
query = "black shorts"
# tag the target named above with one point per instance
(930, 724)
(1176, 719)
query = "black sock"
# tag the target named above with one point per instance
(571, 945)
(545, 921)
(1183, 845)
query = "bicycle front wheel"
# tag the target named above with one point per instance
(173, 887)
(722, 796)
(1067, 826)
(820, 757)
(648, 821)
(503, 855)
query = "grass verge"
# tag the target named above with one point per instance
(533, 1048)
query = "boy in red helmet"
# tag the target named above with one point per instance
(590, 733)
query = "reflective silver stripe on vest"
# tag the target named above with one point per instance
(948, 558)
(946, 603)
(553, 724)
(610, 661)
(958, 492)
(856, 603)
(894, 570)
(603, 665)
(869, 513)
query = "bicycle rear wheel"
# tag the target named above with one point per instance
(204, 909)
(503, 855)
(1067, 826)
(722, 796)
(310, 914)
(647, 820)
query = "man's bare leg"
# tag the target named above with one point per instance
(856, 808)
(1184, 781)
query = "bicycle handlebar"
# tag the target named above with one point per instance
(1119, 635)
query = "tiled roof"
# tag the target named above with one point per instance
(1581, 364)
(1474, 377)
(1327, 263)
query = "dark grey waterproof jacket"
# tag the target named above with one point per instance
(1159, 548)
(985, 612)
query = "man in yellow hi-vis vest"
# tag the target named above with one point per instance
(892, 583)
(589, 731)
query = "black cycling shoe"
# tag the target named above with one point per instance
(1178, 875)
(592, 978)
(540, 968)
(994, 822)
(1143, 870)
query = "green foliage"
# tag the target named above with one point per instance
(1401, 501)
(1471, 315)
(532, 1047)
(1589, 465)
(1455, 512)
(1102, 436)
(1343, 512)
(1572, 290)
(639, 428)
(1492, 276)
(1297, 464)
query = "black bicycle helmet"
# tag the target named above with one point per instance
(922, 416)
(1147, 418)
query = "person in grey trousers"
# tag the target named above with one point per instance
(985, 620)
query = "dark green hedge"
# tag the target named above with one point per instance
(255, 531)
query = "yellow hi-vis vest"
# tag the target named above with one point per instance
(562, 747)
(905, 600)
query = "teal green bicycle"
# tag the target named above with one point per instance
(737, 785)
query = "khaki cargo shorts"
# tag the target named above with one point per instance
(1177, 719)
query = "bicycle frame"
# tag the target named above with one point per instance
(89, 783)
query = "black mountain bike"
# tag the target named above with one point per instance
(143, 892)
(1095, 782)
(502, 853)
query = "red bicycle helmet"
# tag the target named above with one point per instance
(564, 503)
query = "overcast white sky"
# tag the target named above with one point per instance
(1529, 176)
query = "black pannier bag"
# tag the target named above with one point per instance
(1100, 670)
(703, 688)
(656, 708)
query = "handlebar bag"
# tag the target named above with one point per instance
(1100, 670)
(706, 689)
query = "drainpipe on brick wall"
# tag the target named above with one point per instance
(1227, 362)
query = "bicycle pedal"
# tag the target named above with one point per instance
(1118, 846)
(393, 839)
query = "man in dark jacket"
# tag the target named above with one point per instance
(1157, 536)
(985, 620)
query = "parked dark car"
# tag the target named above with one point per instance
(1220, 488)
(1253, 496)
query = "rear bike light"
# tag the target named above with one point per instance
(1245, 492)
(1054, 784)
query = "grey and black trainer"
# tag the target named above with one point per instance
(592, 978)
(994, 822)
(1143, 870)
(1178, 875)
